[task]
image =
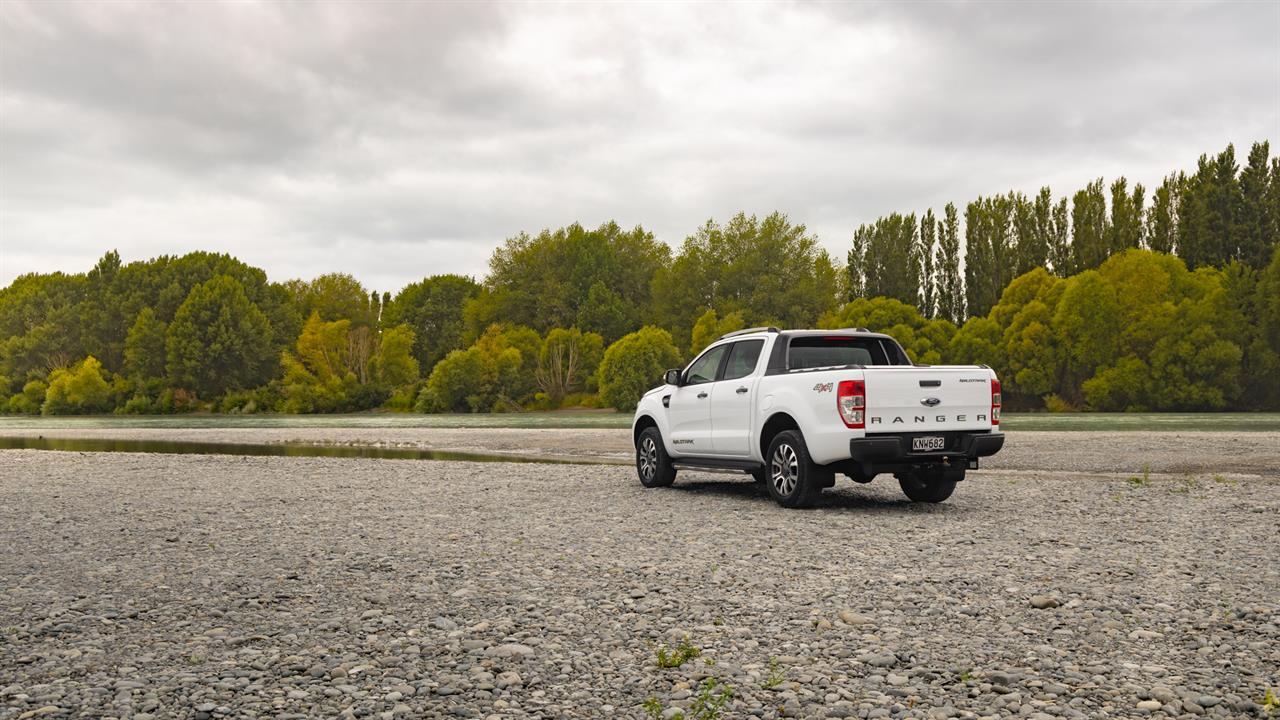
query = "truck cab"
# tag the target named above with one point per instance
(795, 408)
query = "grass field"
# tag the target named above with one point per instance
(1138, 422)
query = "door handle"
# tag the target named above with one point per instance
(741, 390)
(701, 395)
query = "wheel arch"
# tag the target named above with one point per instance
(643, 423)
(777, 422)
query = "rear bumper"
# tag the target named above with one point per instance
(892, 453)
(897, 448)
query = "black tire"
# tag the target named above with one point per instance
(792, 477)
(653, 465)
(928, 487)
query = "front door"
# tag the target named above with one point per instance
(689, 411)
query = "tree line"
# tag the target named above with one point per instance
(1098, 301)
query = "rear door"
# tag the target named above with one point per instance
(731, 400)
(689, 411)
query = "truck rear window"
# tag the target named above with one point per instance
(819, 351)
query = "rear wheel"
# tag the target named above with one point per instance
(792, 477)
(653, 465)
(929, 487)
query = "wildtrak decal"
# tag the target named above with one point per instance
(981, 380)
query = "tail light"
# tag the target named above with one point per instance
(851, 401)
(995, 402)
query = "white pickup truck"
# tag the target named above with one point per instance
(793, 408)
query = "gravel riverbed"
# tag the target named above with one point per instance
(160, 586)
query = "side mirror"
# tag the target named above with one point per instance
(673, 377)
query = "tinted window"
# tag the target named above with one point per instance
(704, 368)
(833, 351)
(742, 359)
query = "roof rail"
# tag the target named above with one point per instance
(735, 333)
(857, 329)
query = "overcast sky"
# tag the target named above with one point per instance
(397, 140)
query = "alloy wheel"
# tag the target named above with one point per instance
(784, 469)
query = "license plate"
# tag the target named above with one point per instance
(928, 442)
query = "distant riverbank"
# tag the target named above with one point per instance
(1135, 422)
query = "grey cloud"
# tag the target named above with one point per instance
(393, 140)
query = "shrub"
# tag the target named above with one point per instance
(633, 365)
(494, 374)
(81, 389)
(28, 401)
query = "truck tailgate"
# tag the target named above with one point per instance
(913, 399)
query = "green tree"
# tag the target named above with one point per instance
(144, 347)
(1089, 227)
(710, 327)
(494, 374)
(394, 363)
(607, 313)
(928, 279)
(856, 262)
(891, 258)
(433, 309)
(218, 340)
(926, 341)
(30, 400)
(1258, 229)
(947, 267)
(634, 364)
(1033, 226)
(988, 251)
(768, 269)
(1060, 258)
(1125, 229)
(1162, 218)
(334, 296)
(568, 362)
(80, 389)
(545, 281)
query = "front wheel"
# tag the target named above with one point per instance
(928, 487)
(793, 479)
(653, 465)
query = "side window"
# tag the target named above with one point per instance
(743, 358)
(704, 369)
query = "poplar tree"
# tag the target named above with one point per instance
(928, 239)
(947, 267)
(1125, 230)
(1060, 240)
(1257, 230)
(1089, 227)
(1162, 217)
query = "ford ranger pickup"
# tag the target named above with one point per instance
(793, 408)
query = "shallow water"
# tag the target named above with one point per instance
(271, 450)
(595, 419)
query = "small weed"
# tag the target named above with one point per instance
(709, 661)
(718, 622)
(711, 700)
(1269, 702)
(709, 703)
(1223, 480)
(966, 675)
(776, 675)
(1135, 481)
(681, 654)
